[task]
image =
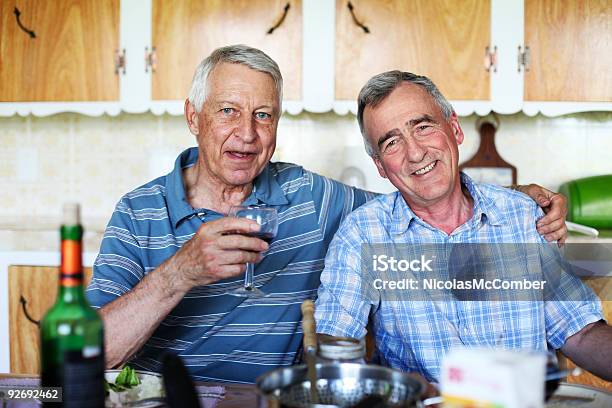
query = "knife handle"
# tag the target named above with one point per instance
(309, 326)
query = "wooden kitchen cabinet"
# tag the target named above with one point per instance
(37, 286)
(325, 57)
(58, 50)
(570, 50)
(441, 39)
(185, 32)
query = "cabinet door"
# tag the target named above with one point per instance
(570, 50)
(441, 39)
(185, 32)
(71, 57)
(37, 286)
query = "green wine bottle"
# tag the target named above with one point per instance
(71, 332)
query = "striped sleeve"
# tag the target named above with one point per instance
(117, 268)
(334, 201)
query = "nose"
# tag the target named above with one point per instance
(415, 150)
(246, 129)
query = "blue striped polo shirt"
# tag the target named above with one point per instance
(222, 337)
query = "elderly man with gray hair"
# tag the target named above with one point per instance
(170, 257)
(412, 133)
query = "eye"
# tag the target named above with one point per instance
(263, 115)
(424, 129)
(390, 145)
(227, 111)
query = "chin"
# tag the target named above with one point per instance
(241, 177)
(431, 193)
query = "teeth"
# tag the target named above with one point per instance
(425, 169)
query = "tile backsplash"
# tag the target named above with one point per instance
(45, 161)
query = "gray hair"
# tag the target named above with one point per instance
(381, 85)
(233, 54)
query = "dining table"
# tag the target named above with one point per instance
(229, 395)
(217, 395)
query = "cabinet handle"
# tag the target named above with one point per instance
(280, 20)
(523, 58)
(25, 311)
(17, 15)
(120, 61)
(359, 23)
(150, 59)
(490, 61)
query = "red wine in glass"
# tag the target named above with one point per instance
(266, 236)
(267, 218)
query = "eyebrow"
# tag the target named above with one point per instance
(421, 119)
(236, 103)
(411, 123)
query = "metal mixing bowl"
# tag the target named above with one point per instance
(338, 385)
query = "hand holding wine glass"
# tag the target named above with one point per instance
(267, 218)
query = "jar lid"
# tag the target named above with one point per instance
(341, 348)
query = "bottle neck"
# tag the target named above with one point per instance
(71, 268)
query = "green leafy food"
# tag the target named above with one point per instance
(126, 380)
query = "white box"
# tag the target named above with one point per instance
(493, 378)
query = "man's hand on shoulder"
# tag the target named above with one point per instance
(552, 225)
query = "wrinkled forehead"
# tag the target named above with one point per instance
(407, 101)
(235, 77)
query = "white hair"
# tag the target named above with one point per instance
(234, 54)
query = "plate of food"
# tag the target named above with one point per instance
(130, 388)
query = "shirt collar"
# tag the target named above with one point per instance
(484, 209)
(266, 189)
(401, 215)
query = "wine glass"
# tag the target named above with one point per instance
(267, 218)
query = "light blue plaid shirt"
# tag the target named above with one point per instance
(415, 335)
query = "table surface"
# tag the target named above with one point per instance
(244, 395)
(236, 395)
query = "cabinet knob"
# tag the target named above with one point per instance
(24, 302)
(355, 20)
(280, 20)
(17, 13)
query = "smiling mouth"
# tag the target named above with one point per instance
(240, 155)
(426, 169)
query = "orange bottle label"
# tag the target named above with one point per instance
(71, 270)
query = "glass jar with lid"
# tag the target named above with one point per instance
(341, 349)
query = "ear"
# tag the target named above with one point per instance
(379, 167)
(191, 116)
(456, 127)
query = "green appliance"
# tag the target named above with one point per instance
(589, 201)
